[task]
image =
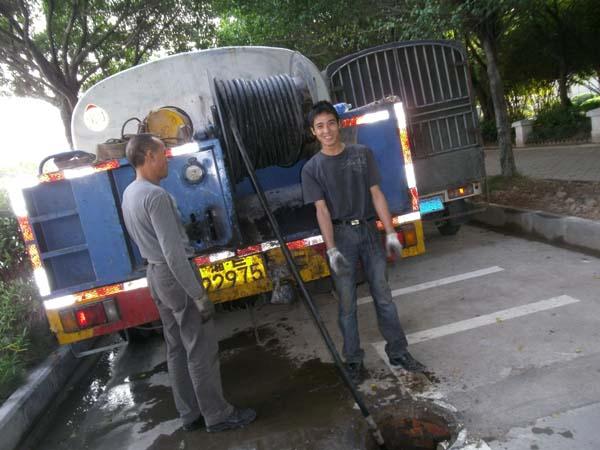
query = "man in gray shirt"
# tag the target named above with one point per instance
(152, 220)
(343, 183)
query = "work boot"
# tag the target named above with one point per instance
(407, 362)
(198, 423)
(354, 371)
(239, 418)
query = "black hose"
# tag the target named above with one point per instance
(269, 114)
(88, 158)
(305, 294)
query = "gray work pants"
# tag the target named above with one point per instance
(192, 351)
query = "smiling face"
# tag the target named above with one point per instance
(326, 129)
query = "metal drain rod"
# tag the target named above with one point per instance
(376, 433)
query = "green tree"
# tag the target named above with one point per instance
(51, 49)
(554, 40)
(322, 30)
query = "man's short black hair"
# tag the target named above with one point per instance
(138, 146)
(321, 107)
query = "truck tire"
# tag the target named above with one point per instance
(448, 228)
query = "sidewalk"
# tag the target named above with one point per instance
(577, 162)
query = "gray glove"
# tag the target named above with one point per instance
(206, 308)
(393, 245)
(337, 262)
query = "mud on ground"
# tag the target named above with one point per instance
(567, 198)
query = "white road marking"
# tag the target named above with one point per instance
(476, 322)
(435, 283)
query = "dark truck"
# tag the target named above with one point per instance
(432, 80)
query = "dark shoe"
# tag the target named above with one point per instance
(198, 423)
(354, 371)
(407, 362)
(239, 418)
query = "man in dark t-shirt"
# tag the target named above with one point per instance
(343, 183)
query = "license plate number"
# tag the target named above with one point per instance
(233, 272)
(429, 205)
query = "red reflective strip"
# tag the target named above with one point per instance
(107, 165)
(406, 148)
(26, 229)
(295, 245)
(51, 177)
(248, 250)
(202, 260)
(350, 122)
(100, 292)
(414, 194)
(169, 152)
(34, 256)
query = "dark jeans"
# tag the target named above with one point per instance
(364, 242)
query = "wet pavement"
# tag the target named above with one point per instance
(126, 402)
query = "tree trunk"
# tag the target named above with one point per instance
(563, 86)
(66, 107)
(483, 97)
(507, 159)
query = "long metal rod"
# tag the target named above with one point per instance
(305, 294)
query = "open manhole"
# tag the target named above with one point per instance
(416, 426)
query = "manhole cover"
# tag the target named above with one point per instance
(416, 427)
(402, 433)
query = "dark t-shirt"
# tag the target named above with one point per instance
(343, 181)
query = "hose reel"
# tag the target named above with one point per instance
(270, 114)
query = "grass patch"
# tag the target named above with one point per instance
(502, 183)
(25, 338)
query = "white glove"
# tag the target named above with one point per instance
(337, 261)
(206, 308)
(393, 245)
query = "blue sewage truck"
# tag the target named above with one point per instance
(90, 273)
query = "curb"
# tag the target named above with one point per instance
(574, 231)
(25, 407)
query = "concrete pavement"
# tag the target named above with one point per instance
(507, 326)
(579, 162)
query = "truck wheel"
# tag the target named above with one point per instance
(143, 332)
(447, 228)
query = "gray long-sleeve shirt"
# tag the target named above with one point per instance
(153, 221)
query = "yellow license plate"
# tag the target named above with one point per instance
(233, 272)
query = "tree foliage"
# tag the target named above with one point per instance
(321, 30)
(51, 49)
(554, 40)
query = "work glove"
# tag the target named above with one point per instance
(206, 308)
(393, 245)
(337, 262)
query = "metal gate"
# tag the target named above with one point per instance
(432, 80)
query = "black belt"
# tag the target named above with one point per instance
(352, 222)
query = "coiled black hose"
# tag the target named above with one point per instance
(270, 116)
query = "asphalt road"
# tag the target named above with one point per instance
(507, 326)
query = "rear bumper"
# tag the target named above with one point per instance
(136, 307)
